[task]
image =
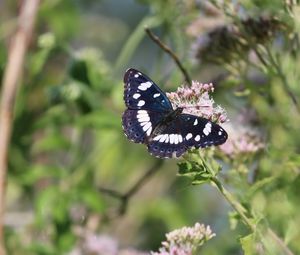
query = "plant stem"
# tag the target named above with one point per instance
(242, 211)
(229, 197)
(169, 51)
(234, 203)
(124, 198)
(282, 77)
(12, 76)
(280, 243)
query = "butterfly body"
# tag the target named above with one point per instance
(167, 120)
(150, 119)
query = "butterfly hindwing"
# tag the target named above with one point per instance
(169, 143)
(184, 132)
(142, 93)
(200, 132)
(138, 124)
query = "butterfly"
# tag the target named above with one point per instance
(151, 120)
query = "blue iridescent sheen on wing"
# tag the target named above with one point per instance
(140, 92)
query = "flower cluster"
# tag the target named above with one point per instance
(225, 43)
(93, 244)
(241, 141)
(197, 101)
(185, 241)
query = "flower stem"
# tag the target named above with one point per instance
(242, 211)
(234, 203)
(281, 75)
(228, 196)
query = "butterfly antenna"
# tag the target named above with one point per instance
(194, 106)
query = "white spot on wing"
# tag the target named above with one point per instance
(149, 131)
(205, 132)
(136, 95)
(142, 112)
(220, 133)
(172, 138)
(195, 122)
(180, 138)
(143, 123)
(156, 95)
(163, 138)
(145, 85)
(188, 136)
(144, 118)
(136, 75)
(167, 139)
(197, 138)
(207, 129)
(176, 139)
(147, 126)
(156, 138)
(141, 103)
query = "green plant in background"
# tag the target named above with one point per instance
(69, 160)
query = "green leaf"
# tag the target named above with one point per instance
(234, 219)
(51, 142)
(248, 244)
(100, 119)
(184, 167)
(260, 184)
(197, 171)
(93, 200)
(66, 241)
(39, 171)
(200, 179)
(44, 203)
(46, 44)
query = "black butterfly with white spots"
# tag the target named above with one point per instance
(150, 119)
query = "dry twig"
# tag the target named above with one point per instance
(168, 50)
(124, 198)
(12, 76)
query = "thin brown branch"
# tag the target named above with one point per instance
(111, 192)
(11, 79)
(280, 242)
(124, 198)
(169, 51)
(153, 169)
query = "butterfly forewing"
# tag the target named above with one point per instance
(142, 93)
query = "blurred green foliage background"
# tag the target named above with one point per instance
(68, 144)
